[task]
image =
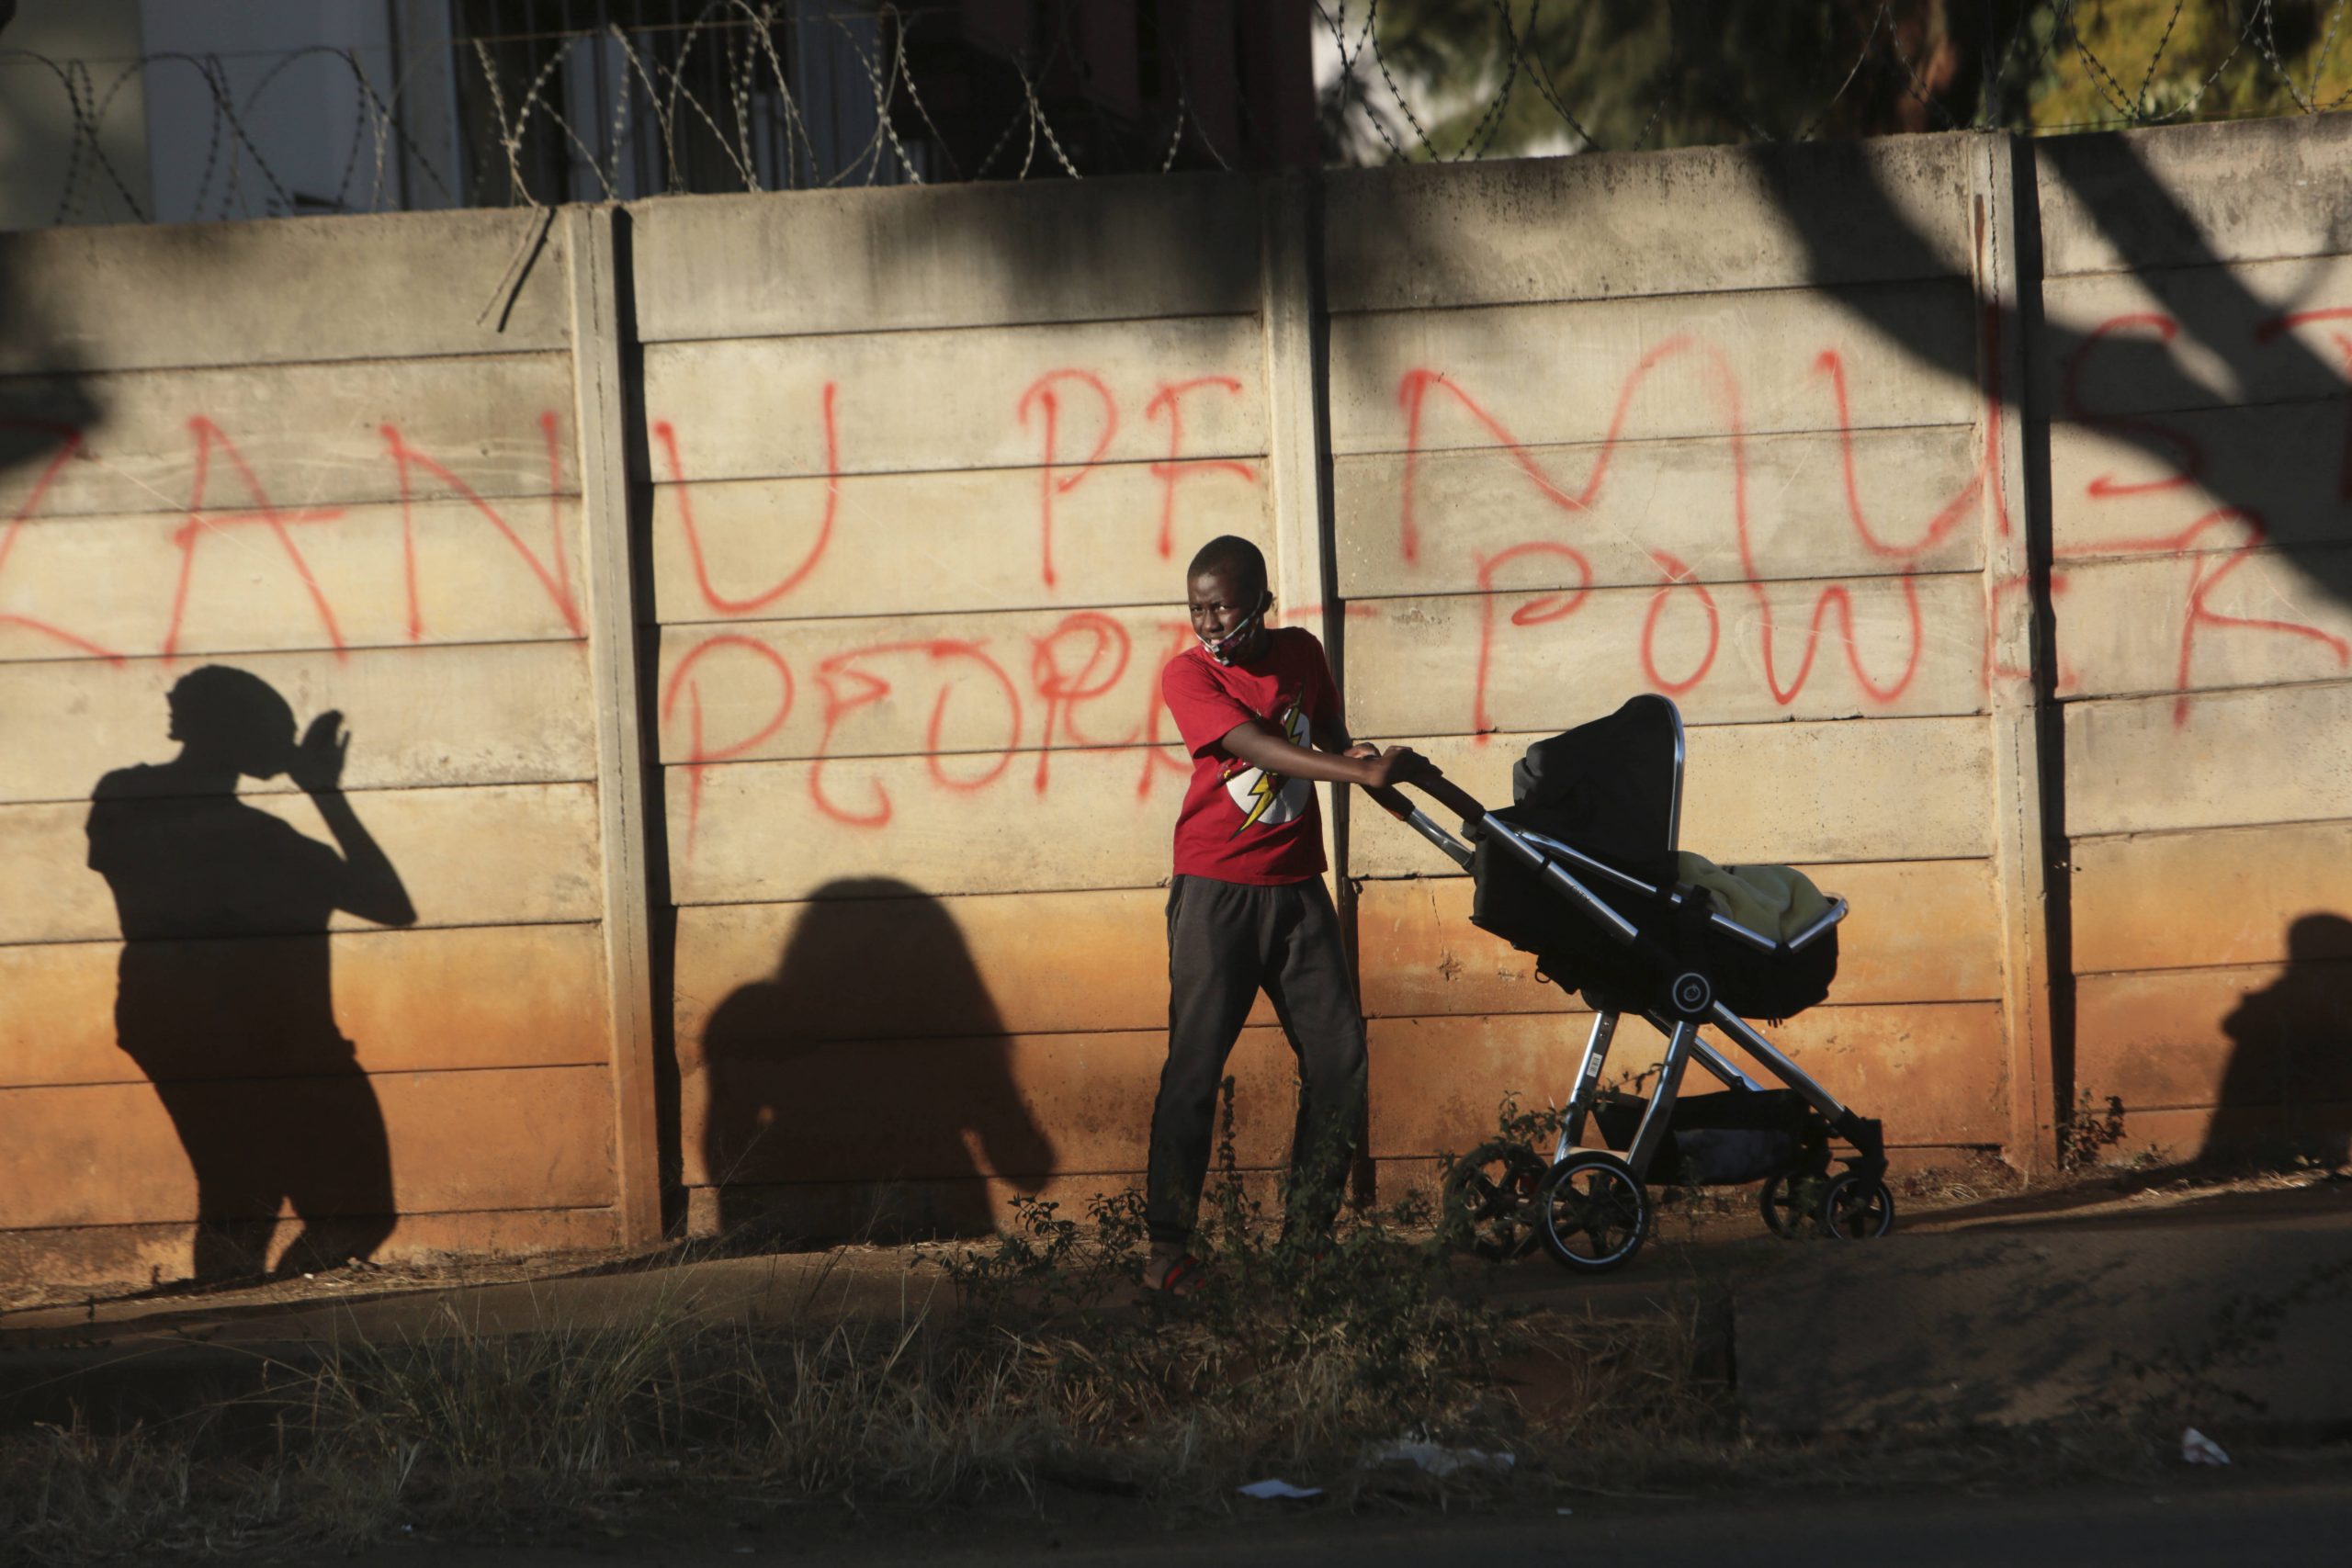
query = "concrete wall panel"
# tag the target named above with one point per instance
(379, 576)
(1919, 932)
(944, 255)
(107, 1155)
(914, 685)
(776, 832)
(409, 1001)
(2154, 484)
(2224, 759)
(2187, 195)
(1935, 1075)
(512, 714)
(766, 550)
(929, 1109)
(2255, 333)
(2222, 896)
(1606, 226)
(312, 437)
(866, 965)
(1715, 507)
(501, 855)
(2266, 1133)
(155, 295)
(912, 401)
(1793, 794)
(2262, 1035)
(1883, 646)
(1644, 369)
(2198, 622)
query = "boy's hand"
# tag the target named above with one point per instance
(1397, 764)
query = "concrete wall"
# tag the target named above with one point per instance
(342, 458)
(756, 605)
(2199, 337)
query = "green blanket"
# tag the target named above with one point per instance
(1777, 901)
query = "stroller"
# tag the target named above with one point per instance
(1581, 872)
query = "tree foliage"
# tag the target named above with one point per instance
(1496, 77)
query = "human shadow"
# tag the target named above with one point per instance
(225, 994)
(2291, 1054)
(866, 1086)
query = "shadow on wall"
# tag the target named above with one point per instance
(2288, 1080)
(225, 996)
(44, 401)
(867, 1087)
(2130, 206)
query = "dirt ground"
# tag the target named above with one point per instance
(1982, 1196)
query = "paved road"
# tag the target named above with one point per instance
(2217, 1519)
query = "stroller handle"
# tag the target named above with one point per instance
(1438, 787)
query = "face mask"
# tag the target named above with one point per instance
(1224, 648)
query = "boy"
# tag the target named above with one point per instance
(1247, 908)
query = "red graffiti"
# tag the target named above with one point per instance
(1534, 613)
(199, 525)
(1678, 575)
(69, 446)
(1177, 467)
(1832, 363)
(556, 582)
(1107, 651)
(2189, 461)
(699, 756)
(667, 436)
(1042, 397)
(1412, 392)
(1836, 600)
(2204, 578)
(214, 450)
(2197, 613)
(867, 688)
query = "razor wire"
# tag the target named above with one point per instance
(722, 100)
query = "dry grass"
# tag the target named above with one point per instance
(1291, 1366)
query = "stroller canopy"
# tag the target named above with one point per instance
(1611, 787)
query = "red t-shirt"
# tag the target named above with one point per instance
(1238, 823)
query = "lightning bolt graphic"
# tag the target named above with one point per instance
(1263, 791)
(1269, 788)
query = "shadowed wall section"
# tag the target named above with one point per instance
(2200, 464)
(338, 456)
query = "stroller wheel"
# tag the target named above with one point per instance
(1488, 1196)
(1857, 1209)
(1791, 1201)
(1592, 1213)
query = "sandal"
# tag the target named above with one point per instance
(1181, 1277)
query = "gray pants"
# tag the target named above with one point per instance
(1225, 943)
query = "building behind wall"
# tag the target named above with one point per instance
(116, 110)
